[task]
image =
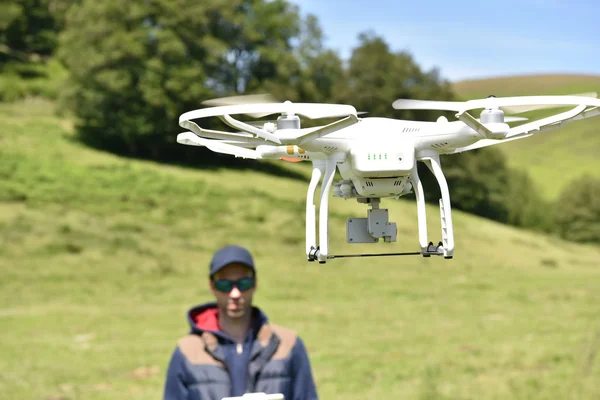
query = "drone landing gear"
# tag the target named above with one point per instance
(376, 225)
(446, 246)
(325, 168)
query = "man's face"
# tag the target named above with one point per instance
(236, 303)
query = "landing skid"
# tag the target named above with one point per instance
(319, 251)
(431, 250)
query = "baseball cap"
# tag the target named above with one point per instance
(231, 254)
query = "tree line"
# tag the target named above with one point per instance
(133, 67)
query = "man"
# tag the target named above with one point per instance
(232, 348)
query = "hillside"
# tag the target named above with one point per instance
(556, 157)
(101, 257)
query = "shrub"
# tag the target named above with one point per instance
(577, 215)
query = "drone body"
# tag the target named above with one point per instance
(376, 157)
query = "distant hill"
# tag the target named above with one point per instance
(552, 158)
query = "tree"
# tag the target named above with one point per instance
(376, 77)
(577, 211)
(27, 31)
(322, 70)
(135, 67)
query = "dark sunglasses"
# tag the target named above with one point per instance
(226, 285)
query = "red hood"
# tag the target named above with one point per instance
(207, 320)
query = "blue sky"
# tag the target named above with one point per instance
(469, 39)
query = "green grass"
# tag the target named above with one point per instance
(100, 257)
(553, 158)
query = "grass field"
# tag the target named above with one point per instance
(556, 157)
(100, 257)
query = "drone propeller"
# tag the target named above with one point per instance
(513, 105)
(309, 110)
(259, 98)
(524, 108)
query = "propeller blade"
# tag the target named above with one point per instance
(309, 110)
(414, 104)
(524, 103)
(515, 104)
(242, 99)
(522, 109)
(515, 119)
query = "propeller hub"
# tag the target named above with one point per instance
(288, 122)
(492, 115)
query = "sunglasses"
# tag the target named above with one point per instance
(226, 285)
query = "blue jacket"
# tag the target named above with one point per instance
(207, 364)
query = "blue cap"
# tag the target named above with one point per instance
(231, 254)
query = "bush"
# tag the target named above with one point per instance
(478, 182)
(525, 207)
(22, 80)
(577, 216)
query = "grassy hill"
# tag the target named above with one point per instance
(556, 157)
(101, 256)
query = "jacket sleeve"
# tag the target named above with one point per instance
(175, 388)
(303, 385)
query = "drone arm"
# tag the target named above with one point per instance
(551, 122)
(531, 128)
(249, 128)
(212, 134)
(474, 124)
(217, 146)
(327, 129)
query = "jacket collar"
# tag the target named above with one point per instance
(263, 347)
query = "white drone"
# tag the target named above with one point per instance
(376, 157)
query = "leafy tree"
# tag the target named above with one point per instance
(27, 31)
(376, 77)
(322, 70)
(257, 47)
(135, 67)
(577, 211)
